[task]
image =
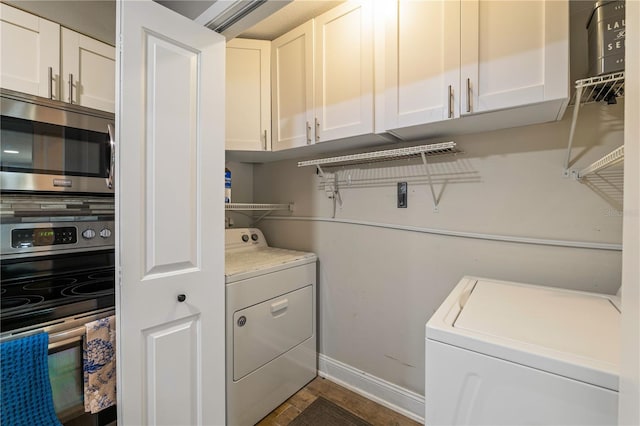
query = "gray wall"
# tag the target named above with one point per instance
(379, 286)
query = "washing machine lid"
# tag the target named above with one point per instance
(570, 333)
(244, 264)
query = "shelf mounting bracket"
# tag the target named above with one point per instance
(433, 192)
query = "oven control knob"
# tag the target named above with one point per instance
(245, 238)
(254, 237)
(88, 234)
(105, 233)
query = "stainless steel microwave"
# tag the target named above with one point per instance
(52, 146)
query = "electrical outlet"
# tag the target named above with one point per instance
(402, 195)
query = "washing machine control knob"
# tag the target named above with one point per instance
(254, 237)
(245, 238)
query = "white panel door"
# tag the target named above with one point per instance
(513, 53)
(88, 69)
(423, 62)
(344, 72)
(170, 133)
(29, 46)
(248, 95)
(292, 88)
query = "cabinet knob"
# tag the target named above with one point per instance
(182, 297)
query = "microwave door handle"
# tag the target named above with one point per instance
(112, 162)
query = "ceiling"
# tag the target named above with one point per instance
(288, 15)
(295, 13)
(97, 18)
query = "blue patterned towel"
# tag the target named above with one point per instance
(26, 391)
(100, 364)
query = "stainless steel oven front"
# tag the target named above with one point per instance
(57, 274)
(66, 343)
(52, 146)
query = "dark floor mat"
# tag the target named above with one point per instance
(323, 412)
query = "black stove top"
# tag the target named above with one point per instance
(46, 289)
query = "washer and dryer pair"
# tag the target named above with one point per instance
(505, 353)
(270, 324)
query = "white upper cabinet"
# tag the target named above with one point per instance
(343, 100)
(322, 78)
(248, 95)
(495, 64)
(88, 70)
(513, 53)
(292, 88)
(41, 58)
(423, 64)
(30, 47)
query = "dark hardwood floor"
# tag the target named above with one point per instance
(362, 407)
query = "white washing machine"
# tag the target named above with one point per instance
(504, 353)
(270, 324)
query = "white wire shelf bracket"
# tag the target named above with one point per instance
(614, 157)
(421, 151)
(257, 207)
(606, 88)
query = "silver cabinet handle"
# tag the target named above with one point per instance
(70, 88)
(308, 133)
(50, 76)
(265, 139)
(317, 130)
(468, 95)
(450, 101)
(112, 165)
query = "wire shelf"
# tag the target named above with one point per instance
(614, 157)
(385, 155)
(257, 207)
(604, 88)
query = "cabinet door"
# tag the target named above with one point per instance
(88, 71)
(423, 62)
(344, 72)
(513, 53)
(292, 88)
(248, 95)
(29, 46)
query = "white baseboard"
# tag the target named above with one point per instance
(399, 399)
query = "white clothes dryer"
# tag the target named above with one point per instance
(505, 353)
(270, 324)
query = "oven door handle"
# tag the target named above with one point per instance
(65, 337)
(112, 156)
